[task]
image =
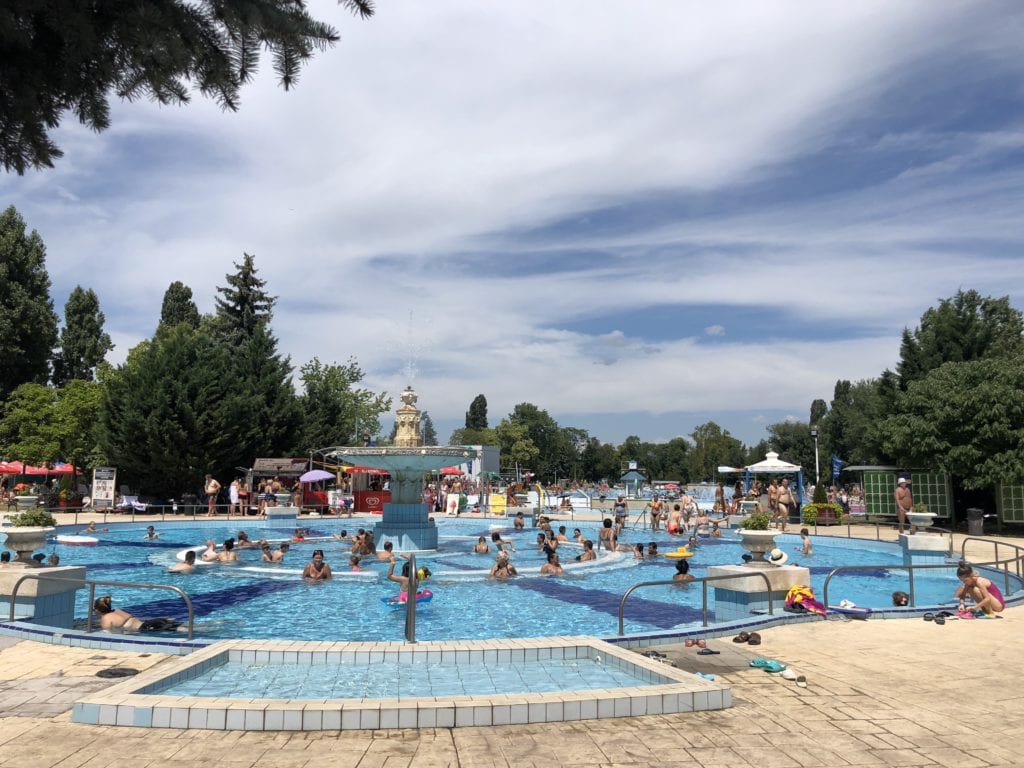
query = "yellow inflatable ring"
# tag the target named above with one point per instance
(679, 554)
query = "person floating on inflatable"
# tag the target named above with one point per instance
(422, 574)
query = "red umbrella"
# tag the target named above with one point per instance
(59, 469)
(11, 467)
(453, 471)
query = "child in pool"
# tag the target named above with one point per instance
(805, 547)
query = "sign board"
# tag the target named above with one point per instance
(104, 485)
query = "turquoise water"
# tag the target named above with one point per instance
(263, 601)
(394, 679)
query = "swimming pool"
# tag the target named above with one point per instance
(264, 601)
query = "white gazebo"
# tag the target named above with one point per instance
(773, 465)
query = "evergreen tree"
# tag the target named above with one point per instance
(243, 304)
(63, 55)
(427, 428)
(178, 307)
(476, 416)
(28, 325)
(272, 418)
(83, 342)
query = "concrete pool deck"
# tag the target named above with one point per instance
(886, 693)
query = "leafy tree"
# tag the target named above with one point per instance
(28, 325)
(966, 419)
(556, 447)
(712, 447)
(427, 428)
(243, 304)
(334, 408)
(76, 421)
(966, 327)
(178, 307)
(517, 449)
(465, 436)
(174, 412)
(476, 416)
(61, 55)
(671, 458)
(849, 430)
(40, 424)
(756, 453)
(83, 342)
(599, 461)
(818, 410)
(793, 442)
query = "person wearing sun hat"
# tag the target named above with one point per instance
(904, 501)
(776, 557)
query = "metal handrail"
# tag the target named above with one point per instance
(879, 524)
(930, 566)
(1018, 559)
(92, 594)
(410, 601)
(703, 580)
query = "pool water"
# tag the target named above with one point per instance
(271, 601)
(397, 679)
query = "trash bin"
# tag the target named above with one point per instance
(975, 522)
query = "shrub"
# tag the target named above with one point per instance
(820, 494)
(758, 521)
(811, 514)
(33, 517)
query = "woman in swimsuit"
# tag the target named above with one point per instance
(982, 591)
(503, 569)
(317, 570)
(481, 547)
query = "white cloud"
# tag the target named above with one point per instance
(452, 128)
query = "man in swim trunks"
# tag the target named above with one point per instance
(786, 503)
(211, 488)
(904, 501)
(115, 618)
(210, 554)
(657, 507)
(186, 567)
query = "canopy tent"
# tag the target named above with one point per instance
(11, 468)
(20, 468)
(363, 471)
(452, 471)
(773, 465)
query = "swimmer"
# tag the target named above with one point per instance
(652, 549)
(317, 569)
(151, 533)
(715, 530)
(552, 567)
(386, 553)
(986, 595)
(115, 618)
(500, 543)
(578, 536)
(691, 543)
(588, 551)
(265, 553)
(244, 542)
(638, 551)
(228, 555)
(519, 522)
(210, 554)
(503, 569)
(53, 560)
(90, 528)
(606, 537)
(280, 552)
(805, 548)
(186, 567)
(481, 547)
(299, 536)
(900, 599)
(353, 563)
(561, 534)
(343, 536)
(422, 574)
(682, 573)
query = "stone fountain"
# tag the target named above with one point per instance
(406, 520)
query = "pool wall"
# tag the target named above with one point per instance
(661, 689)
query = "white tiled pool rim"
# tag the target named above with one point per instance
(669, 690)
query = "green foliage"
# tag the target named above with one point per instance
(83, 342)
(793, 442)
(517, 449)
(825, 513)
(28, 325)
(63, 55)
(334, 408)
(850, 429)
(178, 307)
(966, 419)
(713, 447)
(476, 416)
(34, 518)
(243, 305)
(473, 437)
(428, 432)
(40, 424)
(818, 410)
(960, 329)
(757, 521)
(820, 494)
(599, 460)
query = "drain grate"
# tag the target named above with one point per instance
(117, 672)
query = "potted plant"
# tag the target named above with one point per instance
(28, 533)
(920, 517)
(755, 536)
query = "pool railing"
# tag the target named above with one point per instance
(93, 583)
(703, 580)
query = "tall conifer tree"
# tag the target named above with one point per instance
(83, 342)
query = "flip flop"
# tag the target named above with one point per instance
(704, 676)
(940, 619)
(758, 663)
(755, 639)
(929, 617)
(801, 681)
(690, 643)
(788, 674)
(988, 617)
(707, 652)
(965, 615)
(742, 637)
(774, 666)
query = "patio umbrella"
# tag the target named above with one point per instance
(452, 471)
(11, 468)
(315, 476)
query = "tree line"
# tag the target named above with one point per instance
(206, 393)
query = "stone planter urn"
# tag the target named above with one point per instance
(26, 502)
(27, 539)
(920, 520)
(757, 542)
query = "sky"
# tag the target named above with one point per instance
(638, 216)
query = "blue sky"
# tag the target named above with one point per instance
(637, 216)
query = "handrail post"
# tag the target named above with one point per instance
(92, 600)
(410, 601)
(704, 604)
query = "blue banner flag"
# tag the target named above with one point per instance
(837, 466)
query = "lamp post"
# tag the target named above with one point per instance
(817, 473)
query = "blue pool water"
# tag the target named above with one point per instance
(395, 679)
(264, 601)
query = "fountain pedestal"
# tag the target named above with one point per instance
(738, 598)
